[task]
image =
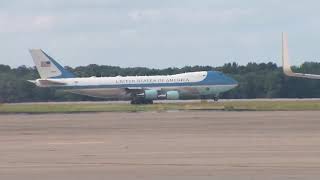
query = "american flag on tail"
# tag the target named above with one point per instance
(45, 63)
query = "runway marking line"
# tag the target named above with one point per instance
(75, 143)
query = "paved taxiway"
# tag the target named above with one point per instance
(167, 145)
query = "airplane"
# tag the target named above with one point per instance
(138, 89)
(286, 65)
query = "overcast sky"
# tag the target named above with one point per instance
(158, 33)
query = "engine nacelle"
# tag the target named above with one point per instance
(151, 94)
(172, 95)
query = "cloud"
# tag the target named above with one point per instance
(189, 15)
(156, 33)
(12, 23)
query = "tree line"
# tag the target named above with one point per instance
(263, 80)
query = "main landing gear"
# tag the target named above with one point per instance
(215, 98)
(141, 101)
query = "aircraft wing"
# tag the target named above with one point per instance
(286, 65)
(139, 91)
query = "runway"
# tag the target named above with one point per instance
(168, 145)
(176, 101)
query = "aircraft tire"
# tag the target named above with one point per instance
(141, 101)
(148, 102)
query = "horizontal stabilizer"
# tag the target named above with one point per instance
(50, 83)
(46, 83)
(32, 81)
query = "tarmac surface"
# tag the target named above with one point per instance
(168, 145)
(176, 101)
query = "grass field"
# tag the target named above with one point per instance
(219, 106)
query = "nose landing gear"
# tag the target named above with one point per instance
(216, 98)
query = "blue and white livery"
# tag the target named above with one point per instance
(138, 89)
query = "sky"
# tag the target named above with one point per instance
(158, 34)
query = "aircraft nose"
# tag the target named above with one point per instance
(234, 82)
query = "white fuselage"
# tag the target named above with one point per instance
(189, 85)
(140, 89)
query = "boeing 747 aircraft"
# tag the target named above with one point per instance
(286, 65)
(138, 89)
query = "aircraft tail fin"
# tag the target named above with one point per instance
(285, 56)
(48, 67)
(286, 65)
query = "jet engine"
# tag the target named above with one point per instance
(172, 95)
(151, 94)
